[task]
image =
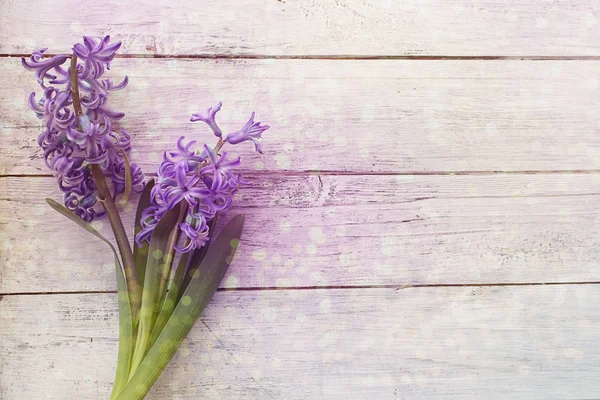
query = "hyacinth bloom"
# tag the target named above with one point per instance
(118, 177)
(82, 145)
(70, 144)
(250, 131)
(203, 180)
(208, 117)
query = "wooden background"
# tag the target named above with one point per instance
(423, 224)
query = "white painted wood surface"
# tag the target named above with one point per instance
(343, 230)
(356, 191)
(310, 27)
(534, 342)
(340, 115)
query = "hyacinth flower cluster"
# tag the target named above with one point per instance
(175, 216)
(79, 129)
(202, 179)
(192, 185)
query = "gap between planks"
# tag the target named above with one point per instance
(339, 57)
(337, 287)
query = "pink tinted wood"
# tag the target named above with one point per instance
(343, 231)
(468, 342)
(309, 27)
(360, 116)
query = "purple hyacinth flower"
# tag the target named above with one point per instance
(149, 220)
(39, 107)
(145, 234)
(58, 149)
(81, 199)
(42, 66)
(113, 145)
(165, 179)
(97, 53)
(108, 84)
(90, 133)
(47, 138)
(197, 234)
(220, 167)
(205, 209)
(73, 178)
(234, 182)
(70, 145)
(186, 189)
(185, 155)
(250, 131)
(222, 201)
(57, 114)
(62, 77)
(208, 117)
(61, 164)
(118, 177)
(205, 181)
(91, 140)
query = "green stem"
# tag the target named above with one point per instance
(133, 286)
(159, 261)
(166, 273)
(75, 88)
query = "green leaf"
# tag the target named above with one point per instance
(141, 253)
(196, 260)
(204, 284)
(73, 217)
(159, 259)
(171, 300)
(181, 279)
(127, 190)
(125, 334)
(125, 321)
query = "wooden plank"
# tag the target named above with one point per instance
(361, 116)
(343, 230)
(426, 343)
(309, 27)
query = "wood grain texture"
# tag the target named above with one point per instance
(343, 230)
(361, 116)
(428, 343)
(290, 325)
(309, 27)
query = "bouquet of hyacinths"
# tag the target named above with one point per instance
(176, 213)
